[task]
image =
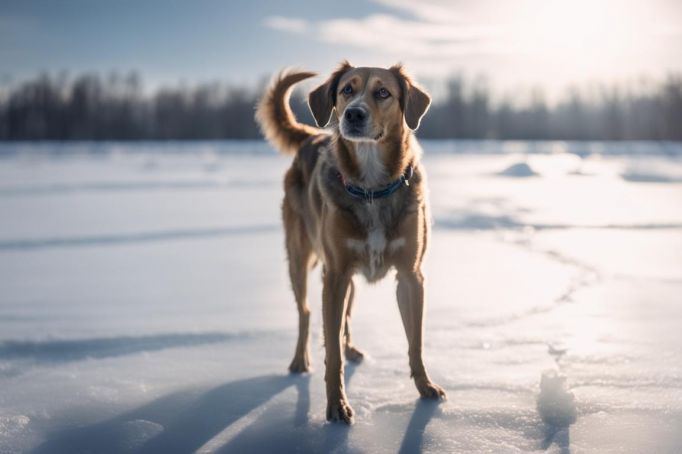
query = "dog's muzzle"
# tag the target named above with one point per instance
(354, 124)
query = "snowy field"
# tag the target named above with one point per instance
(145, 305)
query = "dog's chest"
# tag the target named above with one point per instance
(372, 168)
(371, 251)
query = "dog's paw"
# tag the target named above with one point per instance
(429, 390)
(300, 364)
(353, 354)
(338, 410)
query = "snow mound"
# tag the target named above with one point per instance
(556, 405)
(651, 171)
(649, 176)
(518, 170)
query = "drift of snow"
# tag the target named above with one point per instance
(518, 170)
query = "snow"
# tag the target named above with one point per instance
(556, 405)
(644, 171)
(518, 170)
(145, 306)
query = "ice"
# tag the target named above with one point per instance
(145, 305)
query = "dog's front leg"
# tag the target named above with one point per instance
(411, 303)
(333, 310)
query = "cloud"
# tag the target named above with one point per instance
(391, 35)
(552, 43)
(436, 33)
(431, 35)
(287, 24)
(439, 11)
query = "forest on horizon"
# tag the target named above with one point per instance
(115, 107)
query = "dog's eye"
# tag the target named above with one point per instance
(383, 93)
(347, 90)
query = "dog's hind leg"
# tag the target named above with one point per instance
(300, 255)
(352, 353)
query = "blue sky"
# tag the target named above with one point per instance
(165, 40)
(550, 43)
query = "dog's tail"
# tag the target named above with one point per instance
(275, 117)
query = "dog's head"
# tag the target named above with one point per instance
(370, 103)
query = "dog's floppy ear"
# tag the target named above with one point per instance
(414, 101)
(323, 99)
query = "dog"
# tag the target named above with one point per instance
(356, 201)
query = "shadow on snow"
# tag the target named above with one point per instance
(187, 421)
(74, 350)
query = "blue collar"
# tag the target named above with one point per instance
(369, 195)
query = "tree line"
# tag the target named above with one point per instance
(115, 107)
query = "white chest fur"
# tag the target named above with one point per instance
(374, 247)
(372, 169)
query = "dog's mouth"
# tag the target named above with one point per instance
(360, 134)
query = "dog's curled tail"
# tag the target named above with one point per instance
(276, 120)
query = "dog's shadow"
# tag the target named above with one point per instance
(180, 422)
(561, 436)
(268, 434)
(413, 440)
(249, 410)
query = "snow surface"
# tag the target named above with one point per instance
(145, 307)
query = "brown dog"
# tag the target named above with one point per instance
(355, 199)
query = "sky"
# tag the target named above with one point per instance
(511, 44)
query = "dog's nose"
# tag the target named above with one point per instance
(355, 115)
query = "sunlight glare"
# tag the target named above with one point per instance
(574, 28)
(576, 37)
